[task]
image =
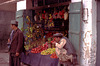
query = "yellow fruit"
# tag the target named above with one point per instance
(48, 51)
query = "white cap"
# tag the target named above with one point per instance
(14, 22)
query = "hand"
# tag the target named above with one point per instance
(9, 41)
(53, 42)
(17, 54)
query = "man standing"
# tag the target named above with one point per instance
(17, 45)
(65, 50)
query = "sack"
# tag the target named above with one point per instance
(69, 61)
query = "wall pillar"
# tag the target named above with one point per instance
(88, 40)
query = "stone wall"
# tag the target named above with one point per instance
(88, 41)
(5, 18)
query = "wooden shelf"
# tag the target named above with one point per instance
(50, 6)
(53, 29)
(37, 22)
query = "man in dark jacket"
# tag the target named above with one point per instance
(17, 45)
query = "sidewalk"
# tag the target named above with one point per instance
(4, 59)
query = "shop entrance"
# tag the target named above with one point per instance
(40, 24)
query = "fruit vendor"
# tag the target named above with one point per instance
(64, 50)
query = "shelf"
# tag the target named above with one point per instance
(53, 29)
(37, 23)
(50, 6)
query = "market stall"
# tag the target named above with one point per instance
(39, 29)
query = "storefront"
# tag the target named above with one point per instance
(72, 18)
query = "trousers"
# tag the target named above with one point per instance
(14, 60)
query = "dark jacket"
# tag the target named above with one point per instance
(17, 44)
(69, 47)
(70, 50)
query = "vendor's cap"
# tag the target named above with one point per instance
(14, 22)
(58, 35)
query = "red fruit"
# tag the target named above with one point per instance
(44, 45)
(55, 14)
(32, 51)
(62, 11)
(52, 41)
(44, 11)
(63, 16)
(43, 16)
(54, 55)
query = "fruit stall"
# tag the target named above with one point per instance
(38, 30)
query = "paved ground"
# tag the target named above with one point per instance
(4, 59)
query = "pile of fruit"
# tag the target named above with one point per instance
(39, 48)
(53, 40)
(53, 55)
(49, 51)
(27, 47)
